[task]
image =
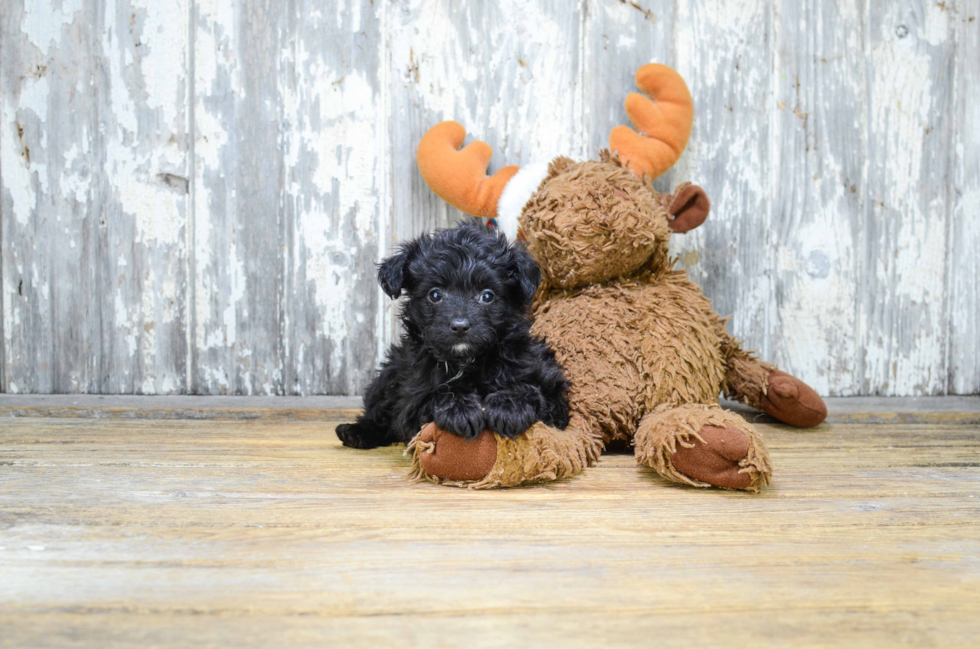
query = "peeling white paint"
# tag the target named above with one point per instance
(783, 252)
(74, 181)
(43, 22)
(154, 206)
(235, 294)
(817, 174)
(34, 97)
(17, 180)
(343, 146)
(123, 108)
(728, 156)
(903, 349)
(124, 322)
(215, 37)
(167, 45)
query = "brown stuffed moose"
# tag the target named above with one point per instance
(646, 354)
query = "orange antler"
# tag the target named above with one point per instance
(664, 123)
(459, 177)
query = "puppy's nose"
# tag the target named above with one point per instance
(460, 326)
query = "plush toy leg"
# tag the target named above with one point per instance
(703, 446)
(541, 454)
(776, 393)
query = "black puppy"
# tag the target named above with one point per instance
(467, 359)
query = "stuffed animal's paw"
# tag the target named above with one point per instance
(461, 416)
(542, 454)
(450, 457)
(507, 414)
(717, 460)
(792, 401)
(703, 446)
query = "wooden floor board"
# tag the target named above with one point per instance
(118, 532)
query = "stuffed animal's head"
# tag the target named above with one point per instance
(585, 222)
(592, 221)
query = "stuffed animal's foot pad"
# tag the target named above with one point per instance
(703, 446)
(450, 457)
(716, 459)
(792, 401)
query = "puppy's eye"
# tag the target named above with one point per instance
(486, 297)
(435, 296)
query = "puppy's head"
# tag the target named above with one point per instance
(467, 289)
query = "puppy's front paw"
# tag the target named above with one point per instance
(358, 435)
(348, 434)
(507, 414)
(461, 416)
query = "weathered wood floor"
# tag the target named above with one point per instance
(268, 532)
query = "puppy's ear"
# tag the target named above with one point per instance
(525, 272)
(393, 274)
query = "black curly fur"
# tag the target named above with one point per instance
(496, 375)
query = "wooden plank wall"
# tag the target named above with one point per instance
(194, 193)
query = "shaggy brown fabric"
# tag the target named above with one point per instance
(646, 354)
(590, 222)
(792, 401)
(629, 347)
(745, 375)
(634, 335)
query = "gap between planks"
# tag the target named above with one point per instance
(949, 410)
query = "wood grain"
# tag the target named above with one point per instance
(94, 173)
(617, 34)
(238, 261)
(819, 234)
(906, 208)
(247, 533)
(730, 156)
(193, 195)
(336, 211)
(963, 313)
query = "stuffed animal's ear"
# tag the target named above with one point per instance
(525, 271)
(689, 209)
(393, 274)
